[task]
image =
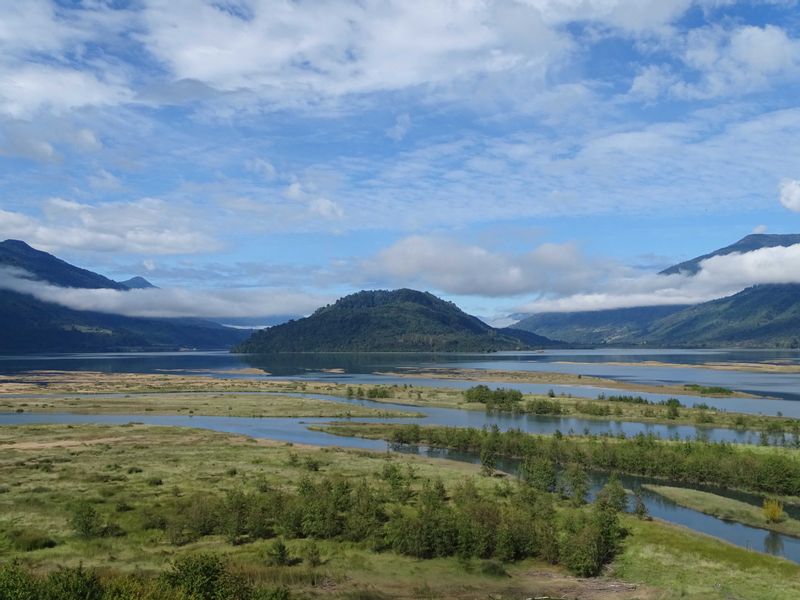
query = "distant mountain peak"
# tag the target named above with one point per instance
(44, 266)
(138, 283)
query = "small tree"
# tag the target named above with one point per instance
(639, 507)
(278, 554)
(613, 495)
(488, 461)
(85, 520)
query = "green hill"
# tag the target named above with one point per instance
(30, 325)
(389, 321)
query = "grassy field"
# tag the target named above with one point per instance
(553, 378)
(683, 564)
(82, 392)
(123, 470)
(726, 509)
(227, 404)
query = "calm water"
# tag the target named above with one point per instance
(296, 431)
(782, 389)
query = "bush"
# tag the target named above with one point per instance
(154, 481)
(27, 540)
(278, 554)
(85, 520)
(206, 577)
(773, 510)
(17, 583)
(72, 584)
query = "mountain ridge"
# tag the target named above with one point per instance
(30, 325)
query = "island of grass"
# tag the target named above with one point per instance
(729, 509)
(137, 509)
(132, 393)
(767, 470)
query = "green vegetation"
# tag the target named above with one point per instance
(770, 516)
(708, 390)
(271, 521)
(221, 525)
(211, 404)
(626, 407)
(758, 469)
(684, 564)
(388, 321)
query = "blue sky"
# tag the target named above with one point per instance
(509, 155)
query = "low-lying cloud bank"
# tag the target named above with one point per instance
(718, 277)
(152, 303)
(563, 278)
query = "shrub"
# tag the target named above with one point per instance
(27, 540)
(773, 510)
(85, 520)
(72, 584)
(154, 481)
(18, 583)
(206, 577)
(278, 554)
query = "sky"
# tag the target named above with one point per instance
(263, 157)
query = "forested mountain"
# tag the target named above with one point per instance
(31, 325)
(763, 316)
(389, 321)
(618, 325)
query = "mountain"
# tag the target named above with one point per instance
(759, 316)
(30, 325)
(401, 320)
(44, 266)
(138, 283)
(748, 243)
(613, 326)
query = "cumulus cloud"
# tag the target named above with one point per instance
(152, 303)
(719, 276)
(790, 194)
(563, 278)
(147, 226)
(457, 268)
(286, 54)
(719, 61)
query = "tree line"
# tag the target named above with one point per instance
(696, 462)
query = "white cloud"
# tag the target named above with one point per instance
(30, 89)
(760, 229)
(261, 167)
(719, 276)
(400, 128)
(287, 55)
(720, 62)
(146, 226)
(790, 194)
(153, 303)
(454, 267)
